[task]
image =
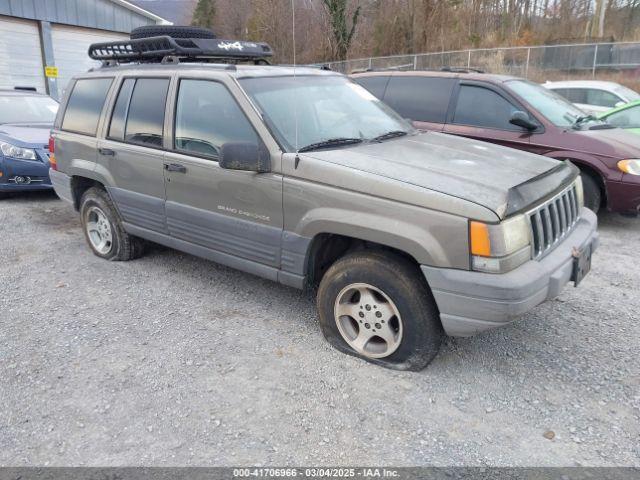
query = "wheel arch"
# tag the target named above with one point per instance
(589, 166)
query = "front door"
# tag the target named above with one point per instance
(235, 213)
(483, 113)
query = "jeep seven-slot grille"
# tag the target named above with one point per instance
(553, 220)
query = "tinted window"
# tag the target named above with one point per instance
(145, 122)
(85, 104)
(420, 98)
(119, 116)
(375, 85)
(208, 116)
(482, 107)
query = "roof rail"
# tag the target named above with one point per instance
(156, 49)
(461, 70)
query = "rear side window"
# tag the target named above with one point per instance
(376, 85)
(85, 105)
(145, 119)
(420, 98)
(207, 116)
(481, 107)
(119, 116)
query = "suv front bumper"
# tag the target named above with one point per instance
(471, 302)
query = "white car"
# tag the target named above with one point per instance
(594, 96)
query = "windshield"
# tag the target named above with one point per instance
(327, 109)
(552, 106)
(27, 109)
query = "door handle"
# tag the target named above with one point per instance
(107, 151)
(175, 167)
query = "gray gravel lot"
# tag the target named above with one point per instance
(173, 360)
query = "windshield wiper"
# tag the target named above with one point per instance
(332, 142)
(583, 118)
(388, 135)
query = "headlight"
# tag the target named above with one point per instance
(632, 167)
(499, 248)
(12, 151)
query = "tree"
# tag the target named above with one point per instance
(342, 34)
(204, 14)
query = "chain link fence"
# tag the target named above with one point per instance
(618, 61)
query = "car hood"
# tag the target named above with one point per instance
(34, 136)
(476, 171)
(616, 143)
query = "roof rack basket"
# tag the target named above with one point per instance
(161, 48)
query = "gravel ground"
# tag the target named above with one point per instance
(173, 360)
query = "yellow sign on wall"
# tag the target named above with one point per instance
(51, 72)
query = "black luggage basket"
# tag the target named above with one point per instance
(166, 49)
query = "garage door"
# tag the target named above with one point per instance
(20, 54)
(70, 45)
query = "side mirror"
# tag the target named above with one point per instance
(619, 104)
(521, 119)
(245, 156)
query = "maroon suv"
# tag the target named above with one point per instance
(520, 114)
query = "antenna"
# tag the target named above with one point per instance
(295, 82)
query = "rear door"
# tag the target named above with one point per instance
(424, 100)
(482, 111)
(131, 155)
(235, 213)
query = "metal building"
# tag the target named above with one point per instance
(43, 43)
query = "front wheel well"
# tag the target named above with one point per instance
(326, 248)
(595, 175)
(79, 185)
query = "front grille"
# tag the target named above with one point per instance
(553, 220)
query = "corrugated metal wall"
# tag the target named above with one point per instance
(102, 14)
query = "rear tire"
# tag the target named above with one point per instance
(362, 290)
(103, 228)
(592, 193)
(174, 31)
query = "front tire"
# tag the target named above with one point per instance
(592, 193)
(376, 306)
(103, 228)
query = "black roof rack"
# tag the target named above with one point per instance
(165, 48)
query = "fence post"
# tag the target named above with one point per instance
(415, 62)
(370, 60)
(526, 67)
(595, 61)
(469, 59)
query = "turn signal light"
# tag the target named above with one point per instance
(480, 240)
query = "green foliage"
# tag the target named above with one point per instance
(204, 13)
(342, 34)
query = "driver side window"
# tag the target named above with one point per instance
(208, 116)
